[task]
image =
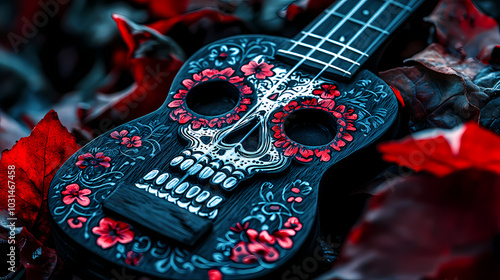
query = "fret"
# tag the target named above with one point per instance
(338, 25)
(370, 26)
(316, 61)
(325, 51)
(346, 34)
(327, 40)
(363, 31)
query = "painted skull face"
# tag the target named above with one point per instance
(256, 119)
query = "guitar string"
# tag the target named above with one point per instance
(254, 108)
(368, 24)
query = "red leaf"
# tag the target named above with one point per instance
(164, 26)
(442, 152)
(166, 9)
(424, 227)
(153, 73)
(461, 27)
(36, 159)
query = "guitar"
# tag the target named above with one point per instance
(222, 180)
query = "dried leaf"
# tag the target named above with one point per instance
(438, 92)
(424, 227)
(35, 160)
(462, 28)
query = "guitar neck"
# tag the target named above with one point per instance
(345, 35)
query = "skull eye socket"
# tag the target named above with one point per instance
(213, 98)
(310, 127)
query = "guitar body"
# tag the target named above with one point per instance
(222, 180)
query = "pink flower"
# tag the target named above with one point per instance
(282, 236)
(111, 232)
(214, 274)
(135, 141)
(133, 258)
(118, 135)
(73, 193)
(257, 248)
(239, 227)
(88, 159)
(293, 223)
(261, 70)
(76, 223)
(327, 91)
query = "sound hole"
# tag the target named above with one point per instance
(310, 127)
(213, 98)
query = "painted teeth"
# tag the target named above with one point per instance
(214, 201)
(213, 214)
(183, 204)
(218, 178)
(141, 186)
(193, 170)
(186, 164)
(202, 197)
(162, 178)
(172, 183)
(229, 183)
(151, 175)
(173, 190)
(176, 161)
(193, 192)
(194, 209)
(182, 188)
(206, 172)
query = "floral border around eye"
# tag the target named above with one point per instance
(182, 114)
(345, 118)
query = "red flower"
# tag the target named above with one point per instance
(111, 232)
(283, 237)
(133, 258)
(257, 248)
(252, 252)
(76, 223)
(293, 223)
(327, 91)
(239, 227)
(135, 141)
(88, 159)
(182, 114)
(214, 274)
(261, 70)
(118, 135)
(73, 192)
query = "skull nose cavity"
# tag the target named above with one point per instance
(247, 135)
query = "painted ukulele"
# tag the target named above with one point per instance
(222, 180)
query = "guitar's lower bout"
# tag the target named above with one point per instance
(240, 198)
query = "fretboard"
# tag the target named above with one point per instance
(345, 35)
